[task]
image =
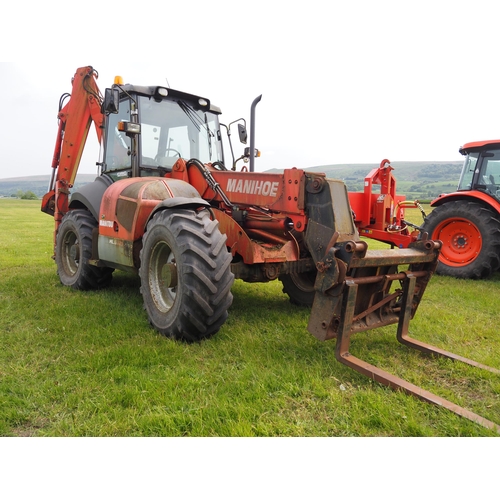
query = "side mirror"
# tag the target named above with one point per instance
(111, 102)
(242, 132)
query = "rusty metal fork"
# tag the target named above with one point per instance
(343, 355)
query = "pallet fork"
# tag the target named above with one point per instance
(367, 299)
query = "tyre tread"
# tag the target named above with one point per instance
(488, 223)
(206, 274)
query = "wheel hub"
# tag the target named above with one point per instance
(461, 242)
(74, 252)
(169, 275)
(163, 277)
(70, 253)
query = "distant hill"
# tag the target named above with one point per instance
(420, 180)
(38, 184)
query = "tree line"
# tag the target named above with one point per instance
(24, 195)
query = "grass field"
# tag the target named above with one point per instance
(88, 363)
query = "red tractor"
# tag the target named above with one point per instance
(467, 221)
(166, 205)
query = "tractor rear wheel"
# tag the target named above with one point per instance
(185, 274)
(299, 287)
(471, 239)
(74, 250)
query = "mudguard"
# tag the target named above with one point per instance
(90, 195)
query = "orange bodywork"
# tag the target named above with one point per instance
(478, 195)
(262, 238)
(127, 205)
(478, 144)
(277, 192)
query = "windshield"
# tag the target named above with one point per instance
(482, 171)
(468, 172)
(173, 129)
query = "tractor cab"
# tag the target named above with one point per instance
(481, 170)
(149, 128)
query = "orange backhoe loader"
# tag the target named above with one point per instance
(167, 206)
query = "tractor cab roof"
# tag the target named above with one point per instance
(158, 93)
(478, 145)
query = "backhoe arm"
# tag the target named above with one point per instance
(83, 107)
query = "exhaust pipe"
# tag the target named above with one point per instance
(252, 132)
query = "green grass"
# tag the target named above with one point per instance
(88, 363)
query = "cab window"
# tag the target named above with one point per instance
(117, 147)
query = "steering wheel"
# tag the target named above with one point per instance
(219, 165)
(174, 150)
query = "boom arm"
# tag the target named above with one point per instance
(83, 107)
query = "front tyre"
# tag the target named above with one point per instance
(471, 239)
(74, 250)
(185, 273)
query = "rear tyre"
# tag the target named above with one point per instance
(299, 287)
(185, 274)
(74, 250)
(471, 239)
